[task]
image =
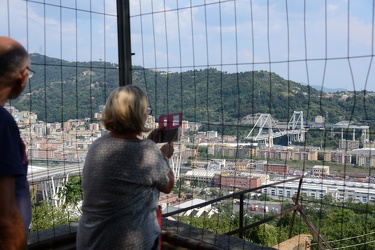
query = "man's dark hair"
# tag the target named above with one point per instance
(11, 60)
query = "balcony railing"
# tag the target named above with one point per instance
(177, 234)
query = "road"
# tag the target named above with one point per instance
(38, 173)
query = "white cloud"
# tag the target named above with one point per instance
(241, 38)
(332, 8)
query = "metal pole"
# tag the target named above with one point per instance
(241, 215)
(124, 44)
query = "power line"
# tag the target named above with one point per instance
(355, 245)
(349, 238)
(352, 237)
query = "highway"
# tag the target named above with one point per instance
(37, 173)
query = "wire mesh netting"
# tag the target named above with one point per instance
(268, 90)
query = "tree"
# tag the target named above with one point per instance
(265, 235)
(73, 194)
(73, 190)
(48, 216)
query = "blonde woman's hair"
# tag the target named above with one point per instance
(125, 110)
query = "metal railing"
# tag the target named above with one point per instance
(241, 227)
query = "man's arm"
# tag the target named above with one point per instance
(12, 231)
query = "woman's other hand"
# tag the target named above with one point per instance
(167, 149)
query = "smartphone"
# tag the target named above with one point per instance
(171, 127)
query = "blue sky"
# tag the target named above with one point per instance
(232, 36)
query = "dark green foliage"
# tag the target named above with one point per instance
(62, 90)
(73, 190)
(45, 215)
(342, 224)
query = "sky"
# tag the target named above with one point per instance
(324, 43)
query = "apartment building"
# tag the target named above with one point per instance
(364, 157)
(276, 168)
(348, 144)
(287, 153)
(237, 180)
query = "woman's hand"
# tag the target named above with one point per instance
(167, 149)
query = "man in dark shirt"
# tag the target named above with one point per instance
(15, 202)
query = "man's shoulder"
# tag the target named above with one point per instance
(5, 115)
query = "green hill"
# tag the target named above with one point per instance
(62, 90)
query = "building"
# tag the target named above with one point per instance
(237, 180)
(319, 188)
(276, 168)
(327, 156)
(188, 152)
(243, 165)
(216, 164)
(319, 119)
(201, 176)
(319, 170)
(167, 198)
(348, 144)
(364, 157)
(238, 151)
(369, 144)
(287, 153)
(211, 135)
(305, 155)
(365, 160)
(341, 157)
(229, 138)
(46, 153)
(94, 126)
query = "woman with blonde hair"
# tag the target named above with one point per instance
(122, 178)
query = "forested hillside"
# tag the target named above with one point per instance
(62, 90)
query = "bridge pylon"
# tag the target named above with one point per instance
(268, 129)
(175, 162)
(296, 130)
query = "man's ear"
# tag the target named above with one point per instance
(24, 78)
(19, 84)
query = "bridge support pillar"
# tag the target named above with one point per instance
(175, 162)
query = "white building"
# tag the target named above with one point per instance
(201, 175)
(216, 164)
(211, 135)
(318, 188)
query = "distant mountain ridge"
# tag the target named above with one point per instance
(328, 90)
(62, 90)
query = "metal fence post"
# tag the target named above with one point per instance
(242, 196)
(124, 43)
